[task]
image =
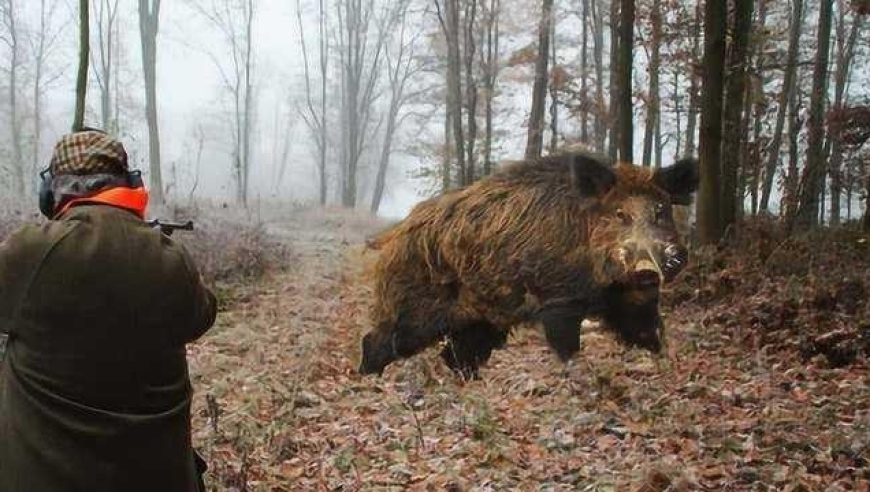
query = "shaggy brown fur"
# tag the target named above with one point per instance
(544, 240)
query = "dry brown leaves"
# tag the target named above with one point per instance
(279, 407)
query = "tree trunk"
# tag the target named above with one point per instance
(39, 68)
(323, 43)
(692, 120)
(386, 150)
(845, 54)
(795, 125)
(149, 22)
(14, 42)
(626, 62)
(584, 73)
(491, 68)
(598, 55)
(399, 70)
(248, 106)
(612, 120)
(84, 51)
(678, 116)
(652, 110)
(756, 87)
(470, 48)
(447, 162)
(106, 15)
(448, 16)
(554, 94)
(709, 199)
(867, 203)
(734, 111)
(814, 172)
(788, 88)
(535, 141)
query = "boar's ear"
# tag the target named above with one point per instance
(590, 175)
(679, 180)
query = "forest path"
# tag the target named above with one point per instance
(278, 371)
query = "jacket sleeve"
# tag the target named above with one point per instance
(203, 309)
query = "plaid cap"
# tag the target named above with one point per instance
(88, 152)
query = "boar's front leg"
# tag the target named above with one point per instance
(471, 344)
(563, 335)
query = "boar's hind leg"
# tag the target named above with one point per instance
(470, 345)
(563, 335)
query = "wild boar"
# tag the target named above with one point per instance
(553, 240)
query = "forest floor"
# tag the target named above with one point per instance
(279, 406)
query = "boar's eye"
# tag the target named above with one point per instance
(661, 212)
(623, 216)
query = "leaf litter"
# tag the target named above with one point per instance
(764, 385)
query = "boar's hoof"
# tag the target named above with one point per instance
(376, 355)
(459, 362)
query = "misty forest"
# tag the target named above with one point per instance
(365, 181)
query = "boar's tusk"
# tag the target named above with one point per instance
(676, 258)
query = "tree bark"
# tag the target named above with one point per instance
(535, 141)
(84, 51)
(491, 68)
(613, 110)
(626, 62)
(448, 16)
(598, 56)
(866, 221)
(316, 119)
(584, 73)
(554, 94)
(470, 48)
(788, 88)
(795, 124)
(106, 16)
(652, 110)
(14, 43)
(692, 119)
(845, 55)
(709, 199)
(149, 25)
(734, 110)
(400, 71)
(814, 172)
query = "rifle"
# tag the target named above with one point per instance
(169, 227)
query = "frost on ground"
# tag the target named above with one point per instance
(279, 406)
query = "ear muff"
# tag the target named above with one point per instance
(46, 194)
(134, 179)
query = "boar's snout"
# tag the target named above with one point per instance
(648, 266)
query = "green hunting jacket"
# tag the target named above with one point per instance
(94, 388)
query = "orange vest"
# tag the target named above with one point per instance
(133, 199)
